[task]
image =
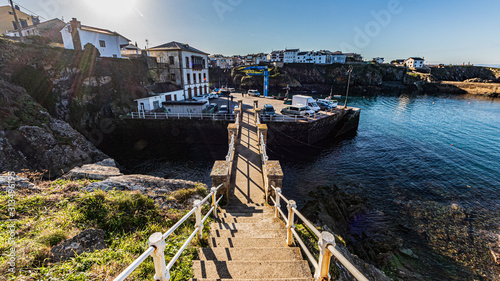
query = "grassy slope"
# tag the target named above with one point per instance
(61, 211)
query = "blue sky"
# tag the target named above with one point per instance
(440, 31)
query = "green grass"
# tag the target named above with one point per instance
(61, 211)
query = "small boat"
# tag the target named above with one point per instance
(337, 96)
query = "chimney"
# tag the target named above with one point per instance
(75, 23)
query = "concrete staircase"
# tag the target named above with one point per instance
(248, 243)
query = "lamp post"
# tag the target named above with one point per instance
(348, 82)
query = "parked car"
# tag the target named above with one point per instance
(332, 103)
(254, 93)
(211, 108)
(223, 110)
(232, 90)
(268, 110)
(323, 105)
(224, 93)
(297, 110)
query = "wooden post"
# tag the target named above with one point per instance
(278, 203)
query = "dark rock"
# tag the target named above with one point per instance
(142, 183)
(98, 171)
(17, 181)
(88, 240)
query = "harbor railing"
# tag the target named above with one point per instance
(157, 242)
(326, 240)
(164, 115)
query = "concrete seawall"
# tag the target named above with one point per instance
(306, 133)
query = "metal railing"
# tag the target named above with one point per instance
(164, 115)
(326, 240)
(263, 150)
(157, 240)
(230, 151)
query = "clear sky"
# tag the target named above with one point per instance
(441, 31)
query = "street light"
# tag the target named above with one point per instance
(348, 82)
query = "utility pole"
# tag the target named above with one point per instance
(17, 20)
(348, 83)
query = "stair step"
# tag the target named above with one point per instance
(247, 209)
(247, 226)
(267, 279)
(250, 233)
(231, 242)
(251, 269)
(250, 254)
(261, 219)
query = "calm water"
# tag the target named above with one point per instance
(430, 148)
(426, 153)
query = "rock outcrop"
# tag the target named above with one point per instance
(141, 183)
(98, 171)
(30, 138)
(88, 240)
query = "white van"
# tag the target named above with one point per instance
(305, 101)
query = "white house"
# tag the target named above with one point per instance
(378, 60)
(414, 62)
(188, 67)
(277, 56)
(75, 36)
(131, 51)
(290, 55)
(221, 61)
(338, 57)
(156, 101)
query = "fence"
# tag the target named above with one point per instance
(157, 240)
(164, 115)
(326, 240)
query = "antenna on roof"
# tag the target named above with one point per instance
(147, 43)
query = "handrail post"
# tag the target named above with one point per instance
(289, 235)
(323, 271)
(277, 205)
(197, 204)
(161, 271)
(214, 200)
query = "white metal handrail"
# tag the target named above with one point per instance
(230, 151)
(326, 240)
(164, 115)
(263, 149)
(157, 240)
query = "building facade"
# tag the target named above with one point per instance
(378, 60)
(338, 57)
(48, 29)
(221, 61)
(414, 62)
(8, 22)
(290, 55)
(155, 102)
(75, 36)
(277, 56)
(187, 67)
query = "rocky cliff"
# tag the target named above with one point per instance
(366, 78)
(30, 138)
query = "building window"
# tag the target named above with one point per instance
(102, 43)
(187, 62)
(171, 60)
(195, 91)
(172, 76)
(201, 92)
(204, 77)
(199, 77)
(168, 97)
(188, 79)
(205, 89)
(156, 104)
(194, 78)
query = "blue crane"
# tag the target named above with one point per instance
(260, 70)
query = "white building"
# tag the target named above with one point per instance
(75, 36)
(156, 101)
(131, 51)
(221, 61)
(414, 62)
(378, 60)
(277, 56)
(290, 55)
(338, 57)
(187, 66)
(321, 57)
